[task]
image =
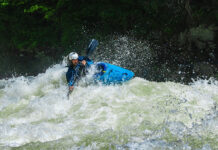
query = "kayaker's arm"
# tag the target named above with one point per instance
(72, 80)
(75, 75)
(86, 59)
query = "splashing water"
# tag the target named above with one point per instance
(128, 53)
(36, 114)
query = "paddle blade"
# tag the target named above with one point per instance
(92, 46)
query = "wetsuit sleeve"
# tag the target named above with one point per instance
(88, 61)
(71, 81)
(75, 75)
(70, 76)
(81, 58)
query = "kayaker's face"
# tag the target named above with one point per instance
(75, 62)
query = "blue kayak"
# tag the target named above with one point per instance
(111, 74)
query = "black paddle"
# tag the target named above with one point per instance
(92, 46)
(90, 49)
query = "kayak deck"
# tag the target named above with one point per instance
(112, 74)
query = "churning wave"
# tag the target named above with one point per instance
(36, 114)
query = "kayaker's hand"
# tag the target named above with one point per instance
(71, 88)
(83, 62)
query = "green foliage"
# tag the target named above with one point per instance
(29, 24)
(35, 8)
(4, 2)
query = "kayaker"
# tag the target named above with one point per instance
(76, 68)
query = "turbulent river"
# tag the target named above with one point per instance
(35, 113)
(139, 114)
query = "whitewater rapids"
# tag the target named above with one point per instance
(36, 114)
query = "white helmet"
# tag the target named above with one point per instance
(73, 55)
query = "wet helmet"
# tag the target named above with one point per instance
(73, 55)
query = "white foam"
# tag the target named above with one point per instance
(37, 109)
